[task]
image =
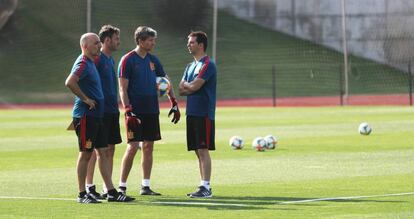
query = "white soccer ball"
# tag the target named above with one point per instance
(271, 142)
(163, 86)
(236, 142)
(259, 144)
(364, 129)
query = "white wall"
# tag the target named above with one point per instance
(382, 30)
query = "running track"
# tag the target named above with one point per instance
(356, 100)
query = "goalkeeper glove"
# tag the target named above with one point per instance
(174, 110)
(131, 120)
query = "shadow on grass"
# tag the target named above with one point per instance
(250, 202)
(216, 203)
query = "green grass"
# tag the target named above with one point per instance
(319, 155)
(38, 49)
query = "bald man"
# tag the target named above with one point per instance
(88, 111)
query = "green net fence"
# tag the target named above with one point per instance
(287, 48)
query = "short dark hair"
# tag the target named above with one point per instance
(201, 37)
(107, 31)
(143, 33)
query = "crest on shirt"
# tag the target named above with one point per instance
(88, 144)
(152, 66)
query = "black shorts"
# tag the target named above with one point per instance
(90, 132)
(111, 128)
(200, 133)
(149, 130)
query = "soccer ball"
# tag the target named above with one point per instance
(259, 144)
(236, 142)
(163, 86)
(364, 129)
(271, 142)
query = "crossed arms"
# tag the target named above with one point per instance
(187, 88)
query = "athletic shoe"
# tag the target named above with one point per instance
(94, 194)
(119, 197)
(104, 195)
(145, 190)
(189, 194)
(122, 189)
(87, 199)
(202, 192)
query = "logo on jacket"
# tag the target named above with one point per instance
(152, 66)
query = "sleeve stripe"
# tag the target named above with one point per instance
(82, 67)
(122, 66)
(203, 70)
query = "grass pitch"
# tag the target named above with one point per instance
(322, 167)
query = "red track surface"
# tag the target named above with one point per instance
(359, 100)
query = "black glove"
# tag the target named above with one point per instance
(174, 109)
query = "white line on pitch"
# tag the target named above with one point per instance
(170, 203)
(36, 198)
(345, 198)
(228, 204)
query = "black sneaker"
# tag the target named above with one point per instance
(119, 197)
(145, 190)
(94, 194)
(122, 189)
(87, 199)
(202, 192)
(189, 194)
(104, 195)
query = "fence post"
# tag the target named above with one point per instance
(410, 84)
(274, 85)
(88, 15)
(341, 84)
